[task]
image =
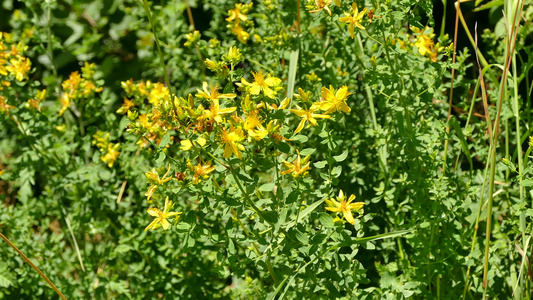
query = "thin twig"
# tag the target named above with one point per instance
(26, 259)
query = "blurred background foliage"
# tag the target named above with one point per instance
(82, 220)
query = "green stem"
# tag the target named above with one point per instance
(476, 224)
(162, 60)
(245, 193)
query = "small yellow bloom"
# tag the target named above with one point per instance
(254, 126)
(269, 85)
(212, 93)
(231, 140)
(192, 38)
(234, 55)
(238, 13)
(187, 144)
(125, 106)
(320, 5)
(154, 179)
(65, 103)
(425, 44)
(333, 101)
(354, 20)
(307, 115)
(161, 216)
(201, 171)
(19, 67)
(4, 107)
(241, 34)
(112, 154)
(345, 207)
(215, 112)
(296, 167)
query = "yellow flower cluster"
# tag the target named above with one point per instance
(109, 150)
(12, 63)
(152, 123)
(35, 103)
(232, 122)
(160, 216)
(222, 123)
(13, 66)
(236, 18)
(78, 87)
(425, 43)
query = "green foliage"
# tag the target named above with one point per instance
(266, 150)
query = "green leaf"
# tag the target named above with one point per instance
(161, 157)
(341, 157)
(229, 89)
(375, 237)
(300, 138)
(5, 281)
(462, 139)
(267, 187)
(231, 247)
(270, 216)
(304, 213)
(283, 147)
(527, 182)
(301, 237)
(293, 67)
(307, 151)
(165, 140)
(119, 287)
(494, 3)
(336, 172)
(326, 220)
(123, 248)
(320, 164)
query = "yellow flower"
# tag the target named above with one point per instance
(187, 144)
(201, 171)
(237, 14)
(320, 5)
(4, 107)
(254, 126)
(307, 115)
(212, 93)
(161, 216)
(154, 179)
(425, 44)
(192, 38)
(234, 55)
(353, 20)
(73, 81)
(333, 101)
(19, 67)
(268, 85)
(241, 34)
(345, 207)
(125, 107)
(65, 103)
(296, 167)
(215, 112)
(231, 141)
(111, 155)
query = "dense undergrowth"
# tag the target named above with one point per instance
(268, 149)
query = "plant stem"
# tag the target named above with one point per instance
(162, 60)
